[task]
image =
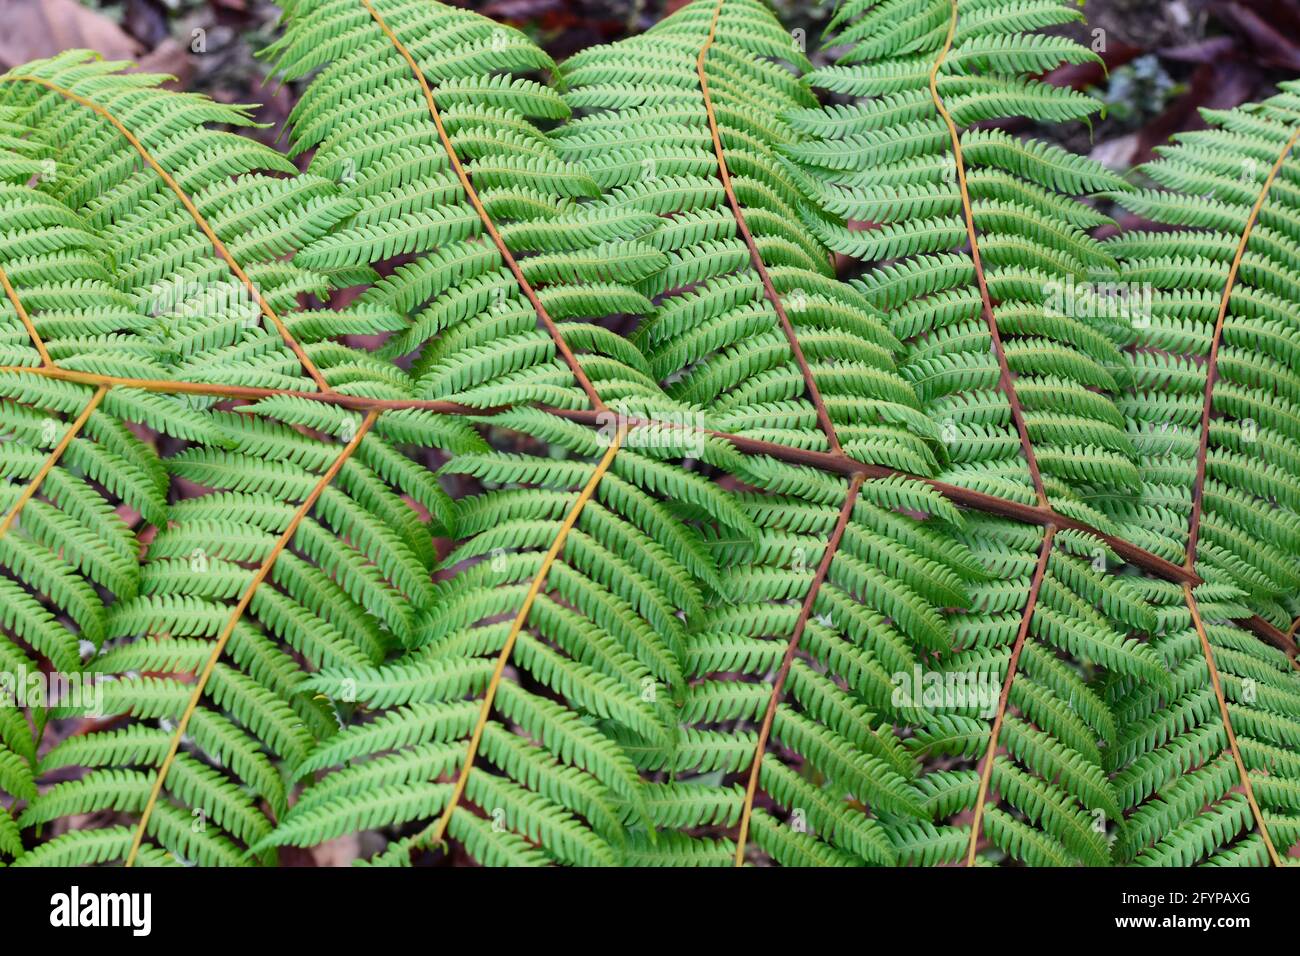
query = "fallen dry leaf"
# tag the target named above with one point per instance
(38, 28)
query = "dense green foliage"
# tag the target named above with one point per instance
(606, 524)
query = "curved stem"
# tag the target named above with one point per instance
(1195, 611)
(778, 684)
(243, 392)
(769, 290)
(435, 832)
(472, 194)
(1005, 380)
(34, 485)
(820, 460)
(219, 646)
(193, 210)
(990, 752)
(26, 320)
(1212, 369)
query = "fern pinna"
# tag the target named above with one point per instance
(1212, 396)
(640, 537)
(1036, 274)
